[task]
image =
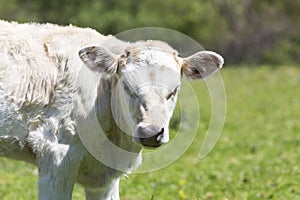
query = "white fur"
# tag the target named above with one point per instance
(48, 98)
(45, 90)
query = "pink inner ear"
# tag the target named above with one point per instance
(99, 59)
(193, 72)
(202, 64)
(197, 72)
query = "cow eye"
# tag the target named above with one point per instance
(173, 93)
(129, 91)
(126, 88)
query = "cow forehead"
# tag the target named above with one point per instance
(151, 75)
(158, 57)
(153, 52)
(152, 67)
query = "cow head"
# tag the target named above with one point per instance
(150, 74)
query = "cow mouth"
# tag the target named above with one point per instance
(150, 142)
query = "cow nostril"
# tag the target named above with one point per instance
(151, 136)
(160, 135)
(161, 131)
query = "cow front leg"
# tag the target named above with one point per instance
(58, 155)
(110, 192)
(58, 170)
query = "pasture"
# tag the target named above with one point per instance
(256, 157)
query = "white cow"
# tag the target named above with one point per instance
(52, 78)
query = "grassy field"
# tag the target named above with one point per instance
(257, 156)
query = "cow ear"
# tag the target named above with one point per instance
(201, 64)
(99, 59)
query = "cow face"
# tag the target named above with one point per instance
(150, 74)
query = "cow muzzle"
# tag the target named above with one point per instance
(149, 136)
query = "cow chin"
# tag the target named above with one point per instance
(150, 136)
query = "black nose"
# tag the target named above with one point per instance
(151, 136)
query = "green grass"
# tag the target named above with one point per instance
(257, 156)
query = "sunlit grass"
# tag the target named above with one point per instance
(257, 156)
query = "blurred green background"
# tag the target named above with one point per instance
(244, 31)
